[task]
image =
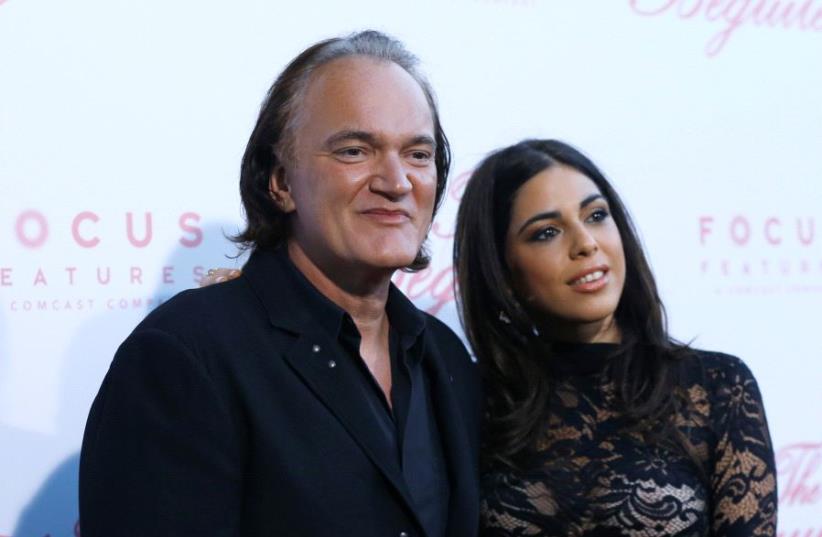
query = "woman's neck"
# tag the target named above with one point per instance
(602, 331)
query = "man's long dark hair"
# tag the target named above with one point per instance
(512, 356)
(271, 143)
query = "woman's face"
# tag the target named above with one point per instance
(565, 255)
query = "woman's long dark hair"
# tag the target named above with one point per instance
(511, 355)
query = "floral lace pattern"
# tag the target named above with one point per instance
(596, 479)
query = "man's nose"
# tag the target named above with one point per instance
(391, 177)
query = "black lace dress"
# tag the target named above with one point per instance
(594, 478)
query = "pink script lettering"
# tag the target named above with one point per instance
(802, 15)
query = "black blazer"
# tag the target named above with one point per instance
(220, 416)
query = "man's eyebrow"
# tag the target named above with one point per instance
(548, 215)
(349, 134)
(371, 139)
(423, 139)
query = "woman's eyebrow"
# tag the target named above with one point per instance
(589, 199)
(548, 215)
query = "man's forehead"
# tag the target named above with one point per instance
(365, 94)
(356, 69)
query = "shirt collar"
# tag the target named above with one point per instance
(292, 302)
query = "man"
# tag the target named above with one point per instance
(308, 396)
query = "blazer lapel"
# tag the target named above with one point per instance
(282, 292)
(461, 458)
(310, 357)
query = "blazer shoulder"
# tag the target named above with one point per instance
(448, 342)
(200, 318)
(201, 306)
(442, 332)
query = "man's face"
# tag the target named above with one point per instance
(362, 179)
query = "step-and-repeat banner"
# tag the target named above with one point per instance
(122, 125)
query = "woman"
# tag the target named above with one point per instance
(597, 422)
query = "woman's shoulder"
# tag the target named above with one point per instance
(714, 368)
(721, 385)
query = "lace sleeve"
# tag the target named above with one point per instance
(744, 501)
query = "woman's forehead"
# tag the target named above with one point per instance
(556, 187)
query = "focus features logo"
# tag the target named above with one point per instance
(760, 254)
(53, 281)
(32, 229)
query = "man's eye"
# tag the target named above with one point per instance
(544, 234)
(421, 155)
(350, 153)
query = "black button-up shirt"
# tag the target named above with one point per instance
(408, 423)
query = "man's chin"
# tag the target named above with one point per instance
(389, 261)
(395, 263)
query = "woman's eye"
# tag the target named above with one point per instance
(545, 234)
(598, 215)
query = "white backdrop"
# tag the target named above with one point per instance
(122, 125)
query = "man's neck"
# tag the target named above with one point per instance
(363, 296)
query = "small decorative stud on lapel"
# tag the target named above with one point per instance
(315, 348)
(332, 364)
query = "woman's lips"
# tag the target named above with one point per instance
(590, 281)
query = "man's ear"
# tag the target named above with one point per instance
(280, 191)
